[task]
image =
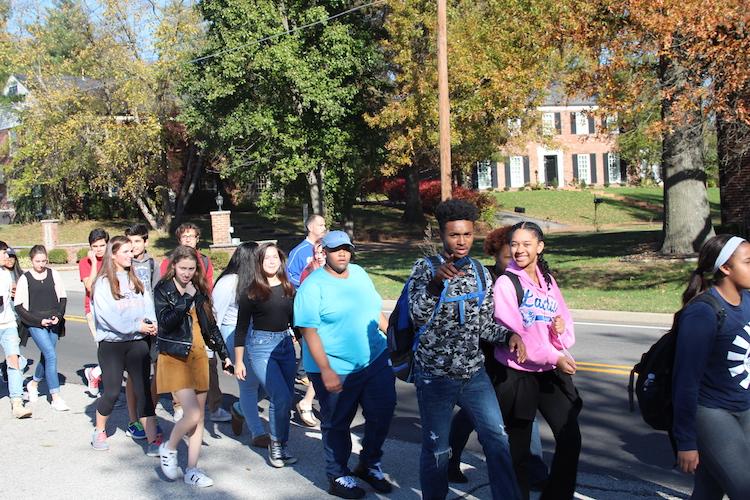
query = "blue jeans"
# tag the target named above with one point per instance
(10, 343)
(46, 341)
(374, 389)
(437, 397)
(273, 364)
(724, 451)
(248, 387)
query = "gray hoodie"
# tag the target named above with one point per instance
(120, 320)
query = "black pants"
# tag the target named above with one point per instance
(114, 359)
(520, 394)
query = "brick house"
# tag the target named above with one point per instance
(575, 148)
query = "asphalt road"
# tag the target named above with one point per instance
(620, 452)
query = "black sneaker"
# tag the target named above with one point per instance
(345, 487)
(374, 476)
(278, 456)
(456, 476)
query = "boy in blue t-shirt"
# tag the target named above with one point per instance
(346, 357)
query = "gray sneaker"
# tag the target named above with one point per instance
(99, 440)
(153, 448)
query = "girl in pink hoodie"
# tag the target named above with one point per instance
(543, 381)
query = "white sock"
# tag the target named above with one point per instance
(96, 372)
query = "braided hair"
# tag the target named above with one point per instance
(540, 260)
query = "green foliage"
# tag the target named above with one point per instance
(81, 254)
(291, 105)
(57, 256)
(219, 258)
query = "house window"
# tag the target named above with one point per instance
(484, 175)
(516, 171)
(582, 123)
(584, 172)
(548, 123)
(613, 168)
(12, 90)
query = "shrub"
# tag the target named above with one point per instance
(57, 256)
(81, 254)
(219, 258)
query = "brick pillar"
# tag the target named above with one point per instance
(220, 228)
(49, 232)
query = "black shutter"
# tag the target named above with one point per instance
(592, 168)
(623, 171)
(575, 168)
(475, 176)
(606, 168)
(507, 173)
(526, 170)
(592, 128)
(558, 125)
(573, 123)
(493, 174)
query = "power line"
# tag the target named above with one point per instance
(260, 40)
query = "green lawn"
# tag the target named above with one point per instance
(588, 267)
(621, 205)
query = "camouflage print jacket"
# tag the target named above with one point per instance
(448, 348)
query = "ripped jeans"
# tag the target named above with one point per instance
(437, 397)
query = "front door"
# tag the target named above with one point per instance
(550, 170)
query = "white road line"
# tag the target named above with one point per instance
(615, 325)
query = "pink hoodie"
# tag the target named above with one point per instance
(532, 320)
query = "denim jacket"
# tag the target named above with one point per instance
(175, 335)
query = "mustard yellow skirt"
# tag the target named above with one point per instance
(174, 374)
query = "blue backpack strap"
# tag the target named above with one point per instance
(434, 261)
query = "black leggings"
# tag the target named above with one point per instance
(114, 359)
(520, 394)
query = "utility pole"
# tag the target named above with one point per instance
(444, 113)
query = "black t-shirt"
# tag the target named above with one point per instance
(273, 315)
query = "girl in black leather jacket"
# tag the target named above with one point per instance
(186, 325)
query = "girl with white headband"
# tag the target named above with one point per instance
(711, 378)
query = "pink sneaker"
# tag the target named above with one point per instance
(93, 382)
(99, 440)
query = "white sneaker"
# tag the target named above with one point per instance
(32, 392)
(177, 415)
(220, 415)
(59, 404)
(168, 460)
(91, 381)
(196, 477)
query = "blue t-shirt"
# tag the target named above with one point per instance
(299, 258)
(712, 368)
(346, 313)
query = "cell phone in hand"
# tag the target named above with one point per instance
(229, 369)
(148, 321)
(462, 262)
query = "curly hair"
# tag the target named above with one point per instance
(451, 210)
(496, 240)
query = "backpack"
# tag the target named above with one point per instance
(492, 365)
(403, 337)
(653, 386)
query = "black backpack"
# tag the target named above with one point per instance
(403, 338)
(653, 386)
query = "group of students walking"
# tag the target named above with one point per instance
(492, 340)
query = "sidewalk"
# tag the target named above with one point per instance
(49, 456)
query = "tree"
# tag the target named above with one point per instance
(499, 65)
(689, 55)
(288, 108)
(114, 132)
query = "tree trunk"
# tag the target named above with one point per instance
(147, 213)
(193, 167)
(413, 213)
(687, 217)
(733, 138)
(315, 186)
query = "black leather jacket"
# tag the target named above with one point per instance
(175, 335)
